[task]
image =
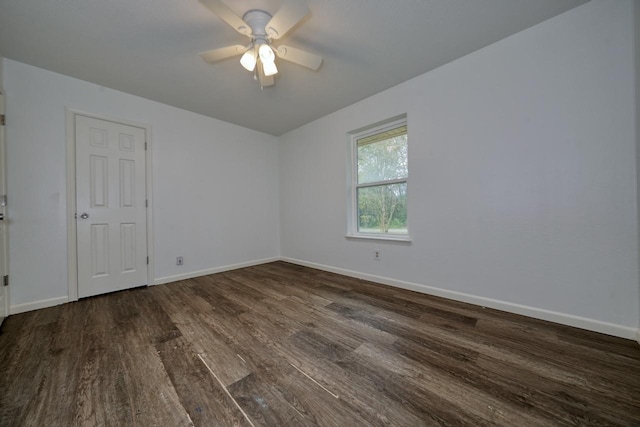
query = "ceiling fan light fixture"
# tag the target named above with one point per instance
(269, 68)
(248, 60)
(266, 54)
(262, 28)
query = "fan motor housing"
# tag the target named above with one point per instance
(257, 20)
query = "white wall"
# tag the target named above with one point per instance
(215, 185)
(522, 191)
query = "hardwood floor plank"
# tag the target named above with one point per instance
(194, 317)
(424, 334)
(153, 400)
(359, 396)
(139, 317)
(566, 402)
(64, 353)
(317, 407)
(28, 367)
(483, 406)
(204, 399)
(505, 389)
(213, 349)
(279, 289)
(263, 405)
(325, 321)
(402, 328)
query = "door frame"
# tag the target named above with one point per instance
(72, 233)
(4, 240)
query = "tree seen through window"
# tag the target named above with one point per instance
(382, 182)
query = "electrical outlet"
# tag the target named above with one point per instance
(179, 260)
(376, 254)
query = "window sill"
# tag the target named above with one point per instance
(386, 238)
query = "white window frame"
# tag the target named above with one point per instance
(352, 223)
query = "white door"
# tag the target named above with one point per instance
(110, 206)
(4, 290)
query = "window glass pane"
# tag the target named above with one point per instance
(382, 159)
(383, 209)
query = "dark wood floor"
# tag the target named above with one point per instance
(280, 345)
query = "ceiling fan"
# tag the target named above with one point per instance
(262, 28)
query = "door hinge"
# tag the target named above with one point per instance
(3, 200)
(145, 145)
(5, 280)
(146, 203)
(3, 120)
(147, 260)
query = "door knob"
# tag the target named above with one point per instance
(84, 216)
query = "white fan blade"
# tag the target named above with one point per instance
(290, 13)
(264, 80)
(227, 15)
(299, 56)
(216, 55)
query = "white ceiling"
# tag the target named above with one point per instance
(150, 48)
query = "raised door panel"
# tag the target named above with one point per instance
(127, 183)
(99, 250)
(128, 247)
(99, 181)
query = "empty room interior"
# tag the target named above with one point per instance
(319, 213)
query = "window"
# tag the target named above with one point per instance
(379, 178)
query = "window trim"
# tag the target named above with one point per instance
(352, 222)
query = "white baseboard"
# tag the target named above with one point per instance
(538, 313)
(192, 274)
(37, 305)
